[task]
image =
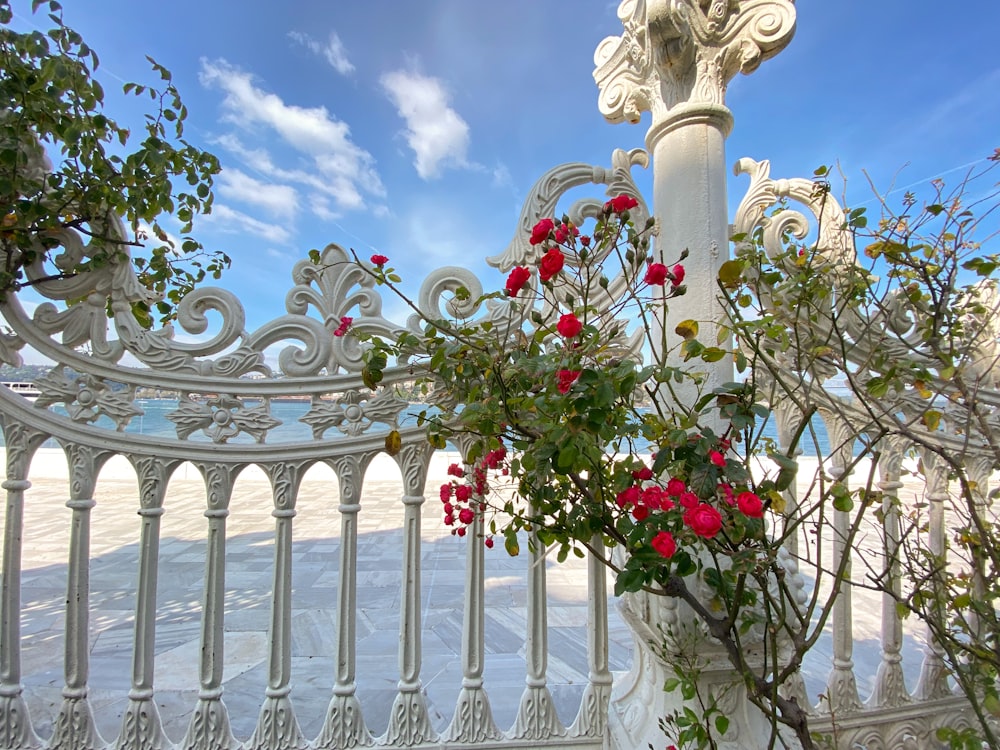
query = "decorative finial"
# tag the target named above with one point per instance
(684, 52)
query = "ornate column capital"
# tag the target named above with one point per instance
(676, 57)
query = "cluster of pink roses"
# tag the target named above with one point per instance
(645, 498)
(461, 498)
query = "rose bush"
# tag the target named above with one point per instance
(570, 436)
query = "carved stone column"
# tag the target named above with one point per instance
(674, 60)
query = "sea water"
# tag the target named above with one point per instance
(154, 422)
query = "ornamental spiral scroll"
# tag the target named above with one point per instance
(681, 54)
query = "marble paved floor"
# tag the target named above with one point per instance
(250, 531)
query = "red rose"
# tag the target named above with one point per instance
(704, 520)
(750, 505)
(569, 326)
(566, 379)
(620, 204)
(463, 492)
(551, 264)
(643, 475)
(717, 458)
(379, 260)
(455, 470)
(675, 487)
(488, 542)
(446, 490)
(628, 497)
(656, 274)
(677, 275)
(688, 499)
(653, 497)
(640, 513)
(345, 323)
(540, 232)
(466, 515)
(517, 279)
(664, 544)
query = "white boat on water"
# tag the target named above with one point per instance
(22, 388)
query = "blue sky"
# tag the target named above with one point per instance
(415, 128)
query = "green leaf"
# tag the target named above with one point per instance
(721, 724)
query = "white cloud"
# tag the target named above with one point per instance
(226, 219)
(333, 50)
(345, 171)
(277, 200)
(320, 207)
(437, 134)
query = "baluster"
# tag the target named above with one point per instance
(209, 727)
(409, 723)
(933, 681)
(473, 720)
(536, 716)
(890, 685)
(345, 724)
(15, 723)
(842, 688)
(277, 726)
(74, 727)
(141, 724)
(592, 720)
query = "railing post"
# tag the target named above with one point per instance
(74, 727)
(15, 723)
(675, 59)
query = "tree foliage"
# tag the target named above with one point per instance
(905, 314)
(66, 165)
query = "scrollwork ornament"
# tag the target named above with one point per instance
(21, 441)
(473, 721)
(153, 472)
(350, 473)
(209, 727)
(277, 727)
(413, 459)
(142, 728)
(409, 723)
(352, 413)
(222, 417)
(344, 726)
(15, 724)
(74, 727)
(536, 716)
(679, 55)
(285, 480)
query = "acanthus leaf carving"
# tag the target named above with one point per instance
(344, 726)
(222, 417)
(352, 414)
(674, 54)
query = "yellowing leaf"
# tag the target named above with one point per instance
(777, 501)
(931, 419)
(687, 329)
(730, 272)
(393, 443)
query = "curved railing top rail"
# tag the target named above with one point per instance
(224, 382)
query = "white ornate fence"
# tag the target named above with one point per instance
(675, 59)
